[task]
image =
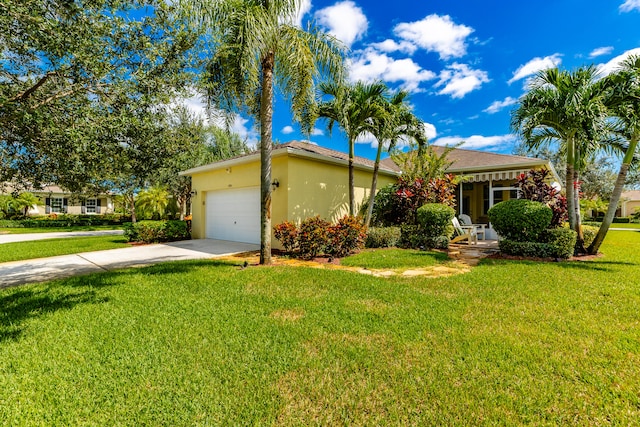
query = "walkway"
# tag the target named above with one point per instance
(472, 254)
(28, 237)
(43, 269)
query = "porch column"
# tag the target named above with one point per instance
(460, 199)
(490, 191)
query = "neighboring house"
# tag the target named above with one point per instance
(54, 200)
(629, 203)
(310, 180)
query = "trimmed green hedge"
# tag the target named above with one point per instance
(156, 231)
(520, 220)
(435, 219)
(65, 221)
(554, 243)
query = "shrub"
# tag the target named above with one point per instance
(529, 249)
(562, 241)
(414, 237)
(589, 233)
(520, 220)
(10, 223)
(156, 231)
(383, 237)
(347, 236)
(533, 186)
(435, 220)
(313, 237)
(287, 234)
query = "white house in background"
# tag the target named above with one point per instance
(55, 200)
(629, 203)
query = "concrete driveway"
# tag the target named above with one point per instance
(43, 269)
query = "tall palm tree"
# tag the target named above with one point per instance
(624, 103)
(353, 107)
(256, 47)
(396, 122)
(568, 108)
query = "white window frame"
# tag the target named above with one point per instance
(91, 206)
(56, 207)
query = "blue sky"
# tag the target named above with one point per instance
(465, 62)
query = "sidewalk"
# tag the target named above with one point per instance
(39, 270)
(13, 238)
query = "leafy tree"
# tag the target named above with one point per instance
(396, 122)
(422, 162)
(567, 108)
(68, 70)
(199, 144)
(258, 48)
(624, 102)
(353, 107)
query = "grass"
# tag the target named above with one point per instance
(628, 225)
(63, 246)
(28, 230)
(393, 258)
(211, 343)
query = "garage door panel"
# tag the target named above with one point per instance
(234, 215)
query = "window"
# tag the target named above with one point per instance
(57, 205)
(91, 205)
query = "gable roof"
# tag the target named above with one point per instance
(463, 160)
(298, 149)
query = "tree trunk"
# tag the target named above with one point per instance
(576, 195)
(615, 198)
(374, 184)
(352, 194)
(266, 123)
(133, 208)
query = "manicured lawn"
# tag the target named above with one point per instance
(211, 343)
(394, 258)
(4, 230)
(53, 247)
(629, 225)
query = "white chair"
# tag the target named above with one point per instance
(465, 220)
(464, 232)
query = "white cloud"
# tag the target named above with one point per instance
(393, 46)
(287, 130)
(499, 105)
(367, 138)
(303, 9)
(535, 65)
(613, 64)
(344, 20)
(630, 5)
(605, 50)
(459, 79)
(478, 142)
(370, 65)
(436, 34)
(429, 130)
(317, 132)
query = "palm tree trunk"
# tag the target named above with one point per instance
(615, 197)
(576, 195)
(133, 208)
(352, 194)
(374, 184)
(266, 124)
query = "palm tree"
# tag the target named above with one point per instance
(624, 102)
(153, 201)
(24, 202)
(568, 108)
(396, 122)
(354, 107)
(257, 47)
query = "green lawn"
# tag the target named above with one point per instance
(629, 225)
(63, 246)
(211, 343)
(393, 258)
(8, 230)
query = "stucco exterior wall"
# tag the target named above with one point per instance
(307, 187)
(630, 207)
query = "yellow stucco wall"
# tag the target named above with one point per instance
(308, 187)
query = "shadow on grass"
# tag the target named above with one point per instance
(24, 302)
(576, 265)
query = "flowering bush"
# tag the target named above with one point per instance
(533, 186)
(348, 235)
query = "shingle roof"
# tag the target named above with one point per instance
(472, 159)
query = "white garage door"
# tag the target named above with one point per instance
(234, 215)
